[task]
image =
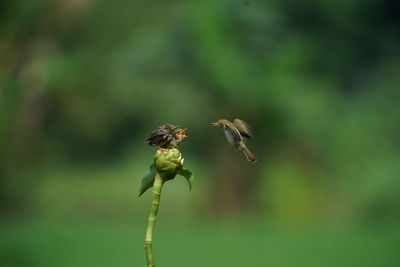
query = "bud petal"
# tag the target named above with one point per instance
(168, 162)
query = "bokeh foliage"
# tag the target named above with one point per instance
(83, 82)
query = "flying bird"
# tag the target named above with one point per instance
(235, 132)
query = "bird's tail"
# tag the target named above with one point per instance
(250, 157)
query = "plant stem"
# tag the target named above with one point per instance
(148, 243)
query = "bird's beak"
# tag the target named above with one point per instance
(183, 134)
(214, 123)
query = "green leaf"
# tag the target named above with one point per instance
(148, 180)
(188, 176)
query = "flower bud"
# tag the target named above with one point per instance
(168, 162)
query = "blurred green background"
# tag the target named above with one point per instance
(83, 83)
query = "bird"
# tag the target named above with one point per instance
(166, 136)
(234, 132)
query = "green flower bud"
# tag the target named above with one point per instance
(168, 163)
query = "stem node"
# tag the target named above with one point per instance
(148, 244)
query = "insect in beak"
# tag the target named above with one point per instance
(214, 123)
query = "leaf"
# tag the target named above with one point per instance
(188, 176)
(148, 180)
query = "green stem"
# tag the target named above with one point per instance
(148, 244)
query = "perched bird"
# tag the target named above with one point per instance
(234, 132)
(166, 136)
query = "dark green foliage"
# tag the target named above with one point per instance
(188, 176)
(83, 84)
(147, 180)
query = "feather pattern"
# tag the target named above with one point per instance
(232, 134)
(243, 127)
(166, 136)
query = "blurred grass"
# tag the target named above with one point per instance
(99, 191)
(46, 243)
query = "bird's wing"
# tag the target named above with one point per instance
(232, 134)
(243, 127)
(159, 137)
(156, 133)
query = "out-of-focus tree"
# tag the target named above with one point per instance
(83, 81)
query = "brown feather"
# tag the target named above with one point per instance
(243, 127)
